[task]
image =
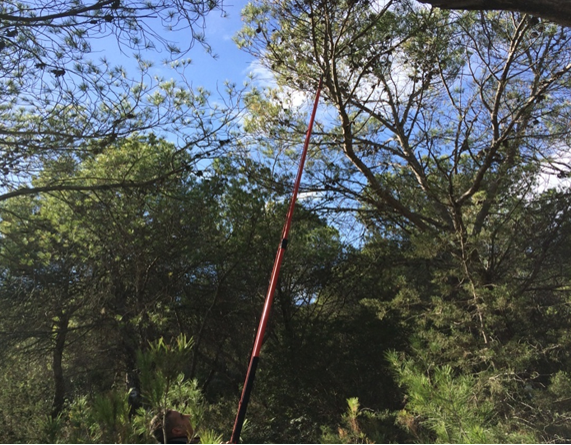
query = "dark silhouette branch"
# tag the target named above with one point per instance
(125, 184)
(19, 19)
(558, 11)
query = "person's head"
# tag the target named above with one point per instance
(173, 423)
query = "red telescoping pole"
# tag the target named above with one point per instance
(254, 359)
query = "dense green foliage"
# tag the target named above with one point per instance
(134, 267)
(90, 279)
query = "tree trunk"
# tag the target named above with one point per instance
(61, 329)
(558, 11)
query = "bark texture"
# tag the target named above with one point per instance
(61, 330)
(558, 11)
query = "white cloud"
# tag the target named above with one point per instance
(265, 78)
(548, 179)
(262, 76)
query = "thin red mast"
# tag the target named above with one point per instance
(254, 359)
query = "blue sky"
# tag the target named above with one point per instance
(206, 71)
(232, 63)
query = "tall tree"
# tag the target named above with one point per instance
(73, 266)
(439, 126)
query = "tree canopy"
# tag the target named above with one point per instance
(425, 294)
(60, 105)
